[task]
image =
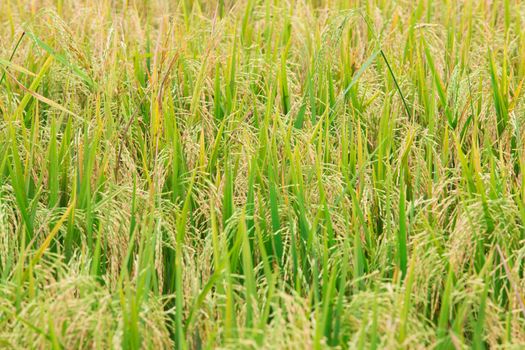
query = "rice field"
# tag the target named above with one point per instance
(262, 174)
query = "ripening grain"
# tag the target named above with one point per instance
(278, 174)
